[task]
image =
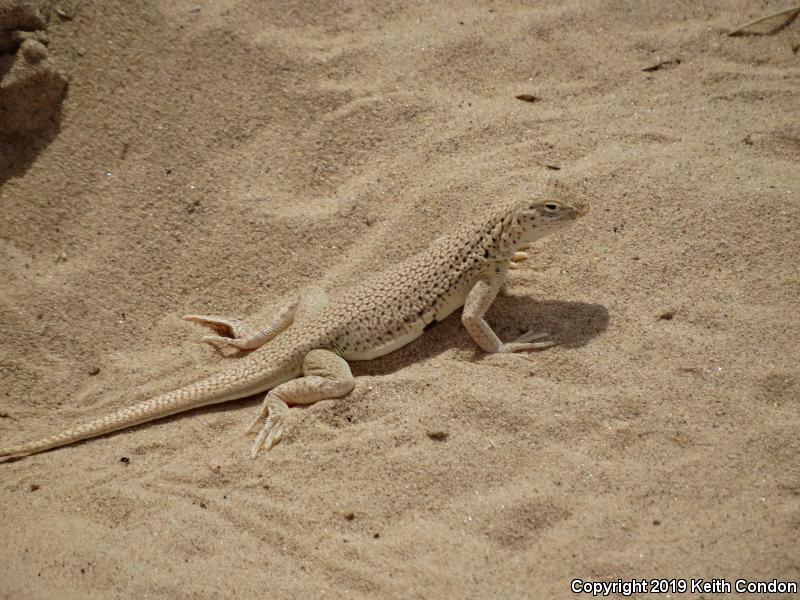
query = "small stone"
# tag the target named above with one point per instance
(64, 15)
(33, 51)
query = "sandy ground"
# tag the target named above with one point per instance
(215, 156)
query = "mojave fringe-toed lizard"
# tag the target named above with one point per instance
(312, 340)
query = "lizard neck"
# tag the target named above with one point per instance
(509, 235)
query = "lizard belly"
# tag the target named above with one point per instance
(448, 304)
(408, 336)
(452, 303)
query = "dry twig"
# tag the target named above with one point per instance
(789, 13)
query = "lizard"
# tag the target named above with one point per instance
(302, 356)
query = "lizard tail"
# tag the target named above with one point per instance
(226, 386)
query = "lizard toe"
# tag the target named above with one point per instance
(531, 336)
(527, 341)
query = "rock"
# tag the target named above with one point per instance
(31, 88)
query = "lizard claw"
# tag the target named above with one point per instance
(531, 335)
(527, 342)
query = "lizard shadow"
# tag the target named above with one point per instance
(571, 324)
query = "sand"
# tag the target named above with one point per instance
(218, 156)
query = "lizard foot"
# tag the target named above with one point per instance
(232, 331)
(527, 342)
(222, 341)
(272, 419)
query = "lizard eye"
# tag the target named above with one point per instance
(551, 207)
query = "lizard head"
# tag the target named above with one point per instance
(539, 218)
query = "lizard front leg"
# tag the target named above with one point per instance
(478, 301)
(325, 375)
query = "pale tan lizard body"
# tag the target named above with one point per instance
(311, 341)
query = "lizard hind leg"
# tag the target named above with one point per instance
(232, 332)
(325, 375)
